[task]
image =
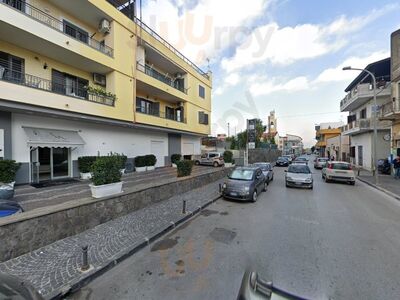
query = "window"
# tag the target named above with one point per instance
(67, 84)
(11, 67)
(203, 118)
(17, 4)
(202, 92)
(75, 32)
(170, 113)
(147, 107)
(363, 113)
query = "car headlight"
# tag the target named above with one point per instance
(246, 188)
(308, 180)
(224, 186)
(289, 178)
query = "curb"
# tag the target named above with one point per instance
(380, 188)
(83, 281)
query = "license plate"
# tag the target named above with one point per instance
(340, 172)
(298, 183)
(234, 194)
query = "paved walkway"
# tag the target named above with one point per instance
(31, 198)
(56, 267)
(386, 182)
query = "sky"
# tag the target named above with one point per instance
(282, 55)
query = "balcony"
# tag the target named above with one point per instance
(56, 24)
(161, 115)
(389, 111)
(364, 125)
(70, 90)
(362, 93)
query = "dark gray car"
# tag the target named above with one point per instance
(244, 183)
(267, 169)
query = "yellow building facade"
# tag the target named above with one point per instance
(84, 78)
(322, 136)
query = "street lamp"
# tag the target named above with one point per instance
(374, 151)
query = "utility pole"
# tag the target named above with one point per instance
(228, 130)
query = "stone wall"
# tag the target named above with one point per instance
(263, 155)
(31, 230)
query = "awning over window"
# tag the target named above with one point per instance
(40, 137)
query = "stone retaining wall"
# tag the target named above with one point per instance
(23, 233)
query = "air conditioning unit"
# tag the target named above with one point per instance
(104, 26)
(180, 104)
(178, 76)
(99, 79)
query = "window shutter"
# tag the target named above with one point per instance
(205, 119)
(58, 82)
(155, 108)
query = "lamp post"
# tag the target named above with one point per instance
(375, 110)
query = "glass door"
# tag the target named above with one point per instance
(34, 165)
(60, 162)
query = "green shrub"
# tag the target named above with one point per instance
(121, 160)
(151, 160)
(175, 158)
(140, 161)
(228, 156)
(85, 163)
(8, 170)
(105, 170)
(184, 168)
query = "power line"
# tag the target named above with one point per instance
(309, 114)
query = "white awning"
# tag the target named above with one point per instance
(41, 137)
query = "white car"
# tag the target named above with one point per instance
(299, 176)
(339, 171)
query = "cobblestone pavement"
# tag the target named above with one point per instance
(386, 182)
(56, 267)
(31, 198)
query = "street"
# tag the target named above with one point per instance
(334, 242)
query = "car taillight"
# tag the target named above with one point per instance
(350, 167)
(330, 166)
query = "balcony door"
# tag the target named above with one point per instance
(11, 67)
(17, 4)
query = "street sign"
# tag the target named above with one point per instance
(251, 133)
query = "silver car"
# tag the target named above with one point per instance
(320, 162)
(299, 176)
(267, 169)
(215, 159)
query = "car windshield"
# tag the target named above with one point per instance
(282, 158)
(262, 166)
(242, 174)
(301, 159)
(341, 166)
(299, 169)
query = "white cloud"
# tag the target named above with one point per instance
(205, 29)
(272, 85)
(229, 81)
(337, 74)
(284, 45)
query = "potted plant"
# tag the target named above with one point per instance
(184, 168)
(85, 164)
(228, 158)
(122, 162)
(140, 164)
(174, 159)
(151, 161)
(8, 171)
(106, 177)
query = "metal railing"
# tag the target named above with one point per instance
(365, 124)
(162, 115)
(72, 90)
(56, 24)
(155, 35)
(160, 76)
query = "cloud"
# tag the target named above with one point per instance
(285, 45)
(204, 29)
(337, 74)
(229, 81)
(272, 85)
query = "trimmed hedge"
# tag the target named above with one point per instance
(175, 158)
(184, 168)
(140, 161)
(151, 160)
(85, 163)
(228, 156)
(106, 170)
(8, 170)
(121, 160)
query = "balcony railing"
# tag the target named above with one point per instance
(71, 90)
(129, 14)
(364, 125)
(56, 24)
(160, 76)
(162, 115)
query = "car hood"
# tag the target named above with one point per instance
(237, 184)
(299, 176)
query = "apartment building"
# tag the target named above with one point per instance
(292, 144)
(338, 147)
(391, 110)
(323, 132)
(84, 78)
(360, 122)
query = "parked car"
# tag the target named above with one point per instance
(339, 171)
(301, 159)
(282, 162)
(244, 183)
(9, 207)
(267, 169)
(384, 166)
(215, 159)
(320, 162)
(299, 176)
(12, 287)
(289, 157)
(300, 162)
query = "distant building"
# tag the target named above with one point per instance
(325, 131)
(338, 147)
(221, 137)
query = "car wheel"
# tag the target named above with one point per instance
(215, 164)
(352, 182)
(286, 185)
(254, 198)
(265, 186)
(197, 163)
(327, 180)
(311, 187)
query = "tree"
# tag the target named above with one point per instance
(242, 136)
(272, 141)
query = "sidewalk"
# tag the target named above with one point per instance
(387, 183)
(55, 269)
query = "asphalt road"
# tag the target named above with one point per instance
(334, 242)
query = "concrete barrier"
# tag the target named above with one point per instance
(23, 233)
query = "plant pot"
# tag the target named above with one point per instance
(228, 165)
(150, 168)
(86, 176)
(105, 190)
(174, 166)
(140, 169)
(7, 190)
